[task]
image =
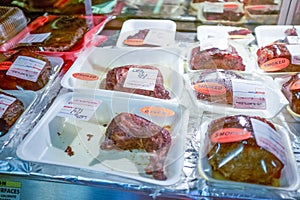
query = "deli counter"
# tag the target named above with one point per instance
(152, 99)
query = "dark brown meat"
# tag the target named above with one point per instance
(230, 12)
(291, 90)
(11, 114)
(215, 86)
(252, 164)
(215, 58)
(275, 58)
(116, 77)
(129, 131)
(66, 32)
(14, 83)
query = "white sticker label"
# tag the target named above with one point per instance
(269, 139)
(26, 68)
(293, 39)
(80, 108)
(159, 37)
(295, 53)
(139, 78)
(5, 102)
(248, 94)
(213, 8)
(10, 190)
(35, 38)
(216, 38)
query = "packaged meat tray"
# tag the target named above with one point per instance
(264, 14)
(289, 85)
(240, 35)
(63, 36)
(155, 73)
(12, 21)
(260, 152)
(19, 103)
(268, 34)
(139, 139)
(229, 13)
(230, 92)
(211, 53)
(26, 70)
(147, 33)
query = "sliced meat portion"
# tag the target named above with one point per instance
(12, 112)
(129, 131)
(215, 58)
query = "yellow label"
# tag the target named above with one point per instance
(10, 184)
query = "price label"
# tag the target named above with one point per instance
(139, 78)
(295, 53)
(26, 68)
(10, 190)
(267, 138)
(80, 108)
(214, 38)
(248, 94)
(35, 38)
(159, 37)
(213, 8)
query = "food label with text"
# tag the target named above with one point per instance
(80, 108)
(5, 65)
(35, 38)
(213, 8)
(85, 76)
(210, 88)
(10, 190)
(295, 53)
(159, 37)
(226, 135)
(214, 39)
(139, 78)
(26, 68)
(267, 138)
(5, 102)
(248, 94)
(157, 111)
(275, 64)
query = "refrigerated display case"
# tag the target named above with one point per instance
(28, 175)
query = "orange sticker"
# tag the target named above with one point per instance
(134, 42)
(230, 135)
(157, 111)
(276, 64)
(5, 65)
(209, 88)
(295, 85)
(85, 76)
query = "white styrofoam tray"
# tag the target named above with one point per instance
(245, 40)
(132, 26)
(272, 92)
(47, 142)
(289, 179)
(267, 34)
(98, 61)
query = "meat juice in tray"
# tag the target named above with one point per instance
(88, 131)
(230, 92)
(142, 72)
(64, 36)
(260, 152)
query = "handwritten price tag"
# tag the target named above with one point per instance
(139, 78)
(80, 108)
